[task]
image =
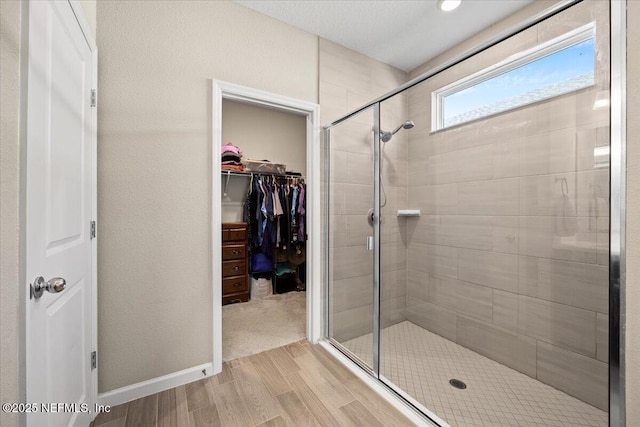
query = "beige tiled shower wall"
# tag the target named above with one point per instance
(349, 80)
(498, 262)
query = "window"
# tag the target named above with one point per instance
(557, 67)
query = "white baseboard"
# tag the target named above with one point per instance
(154, 385)
(411, 413)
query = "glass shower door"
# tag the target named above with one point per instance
(494, 253)
(479, 290)
(349, 186)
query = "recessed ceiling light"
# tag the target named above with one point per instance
(448, 5)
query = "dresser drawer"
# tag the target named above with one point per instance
(234, 235)
(231, 285)
(233, 298)
(230, 252)
(234, 268)
(235, 282)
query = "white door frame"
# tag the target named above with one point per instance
(24, 292)
(223, 90)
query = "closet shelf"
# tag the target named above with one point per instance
(249, 174)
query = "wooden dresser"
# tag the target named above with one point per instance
(235, 263)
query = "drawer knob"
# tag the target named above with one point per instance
(236, 268)
(236, 252)
(235, 285)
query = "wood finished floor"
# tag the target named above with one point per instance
(296, 385)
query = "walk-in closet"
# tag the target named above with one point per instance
(263, 200)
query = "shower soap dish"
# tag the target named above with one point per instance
(408, 212)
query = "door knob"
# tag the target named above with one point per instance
(55, 285)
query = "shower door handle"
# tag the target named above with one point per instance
(369, 243)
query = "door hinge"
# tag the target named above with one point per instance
(94, 98)
(94, 360)
(93, 230)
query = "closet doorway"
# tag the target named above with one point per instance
(265, 230)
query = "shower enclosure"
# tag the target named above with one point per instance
(467, 251)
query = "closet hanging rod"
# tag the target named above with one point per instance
(248, 174)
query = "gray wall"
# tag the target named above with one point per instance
(489, 264)
(154, 253)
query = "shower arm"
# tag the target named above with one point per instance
(397, 129)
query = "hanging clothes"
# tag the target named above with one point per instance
(267, 221)
(301, 212)
(278, 212)
(284, 219)
(261, 212)
(294, 218)
(275, 210)
(247, 208)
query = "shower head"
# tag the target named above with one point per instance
(408, 124)
(386, 136)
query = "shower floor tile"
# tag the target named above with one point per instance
(421, 363)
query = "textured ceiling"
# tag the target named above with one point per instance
(402, 33)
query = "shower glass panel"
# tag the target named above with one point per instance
(500, 283)
(480, 291)
(349, 183)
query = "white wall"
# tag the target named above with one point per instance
(157, 60)
(9, 208)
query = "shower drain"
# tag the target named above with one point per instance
(458, 384)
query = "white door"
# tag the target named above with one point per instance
(58, 214)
